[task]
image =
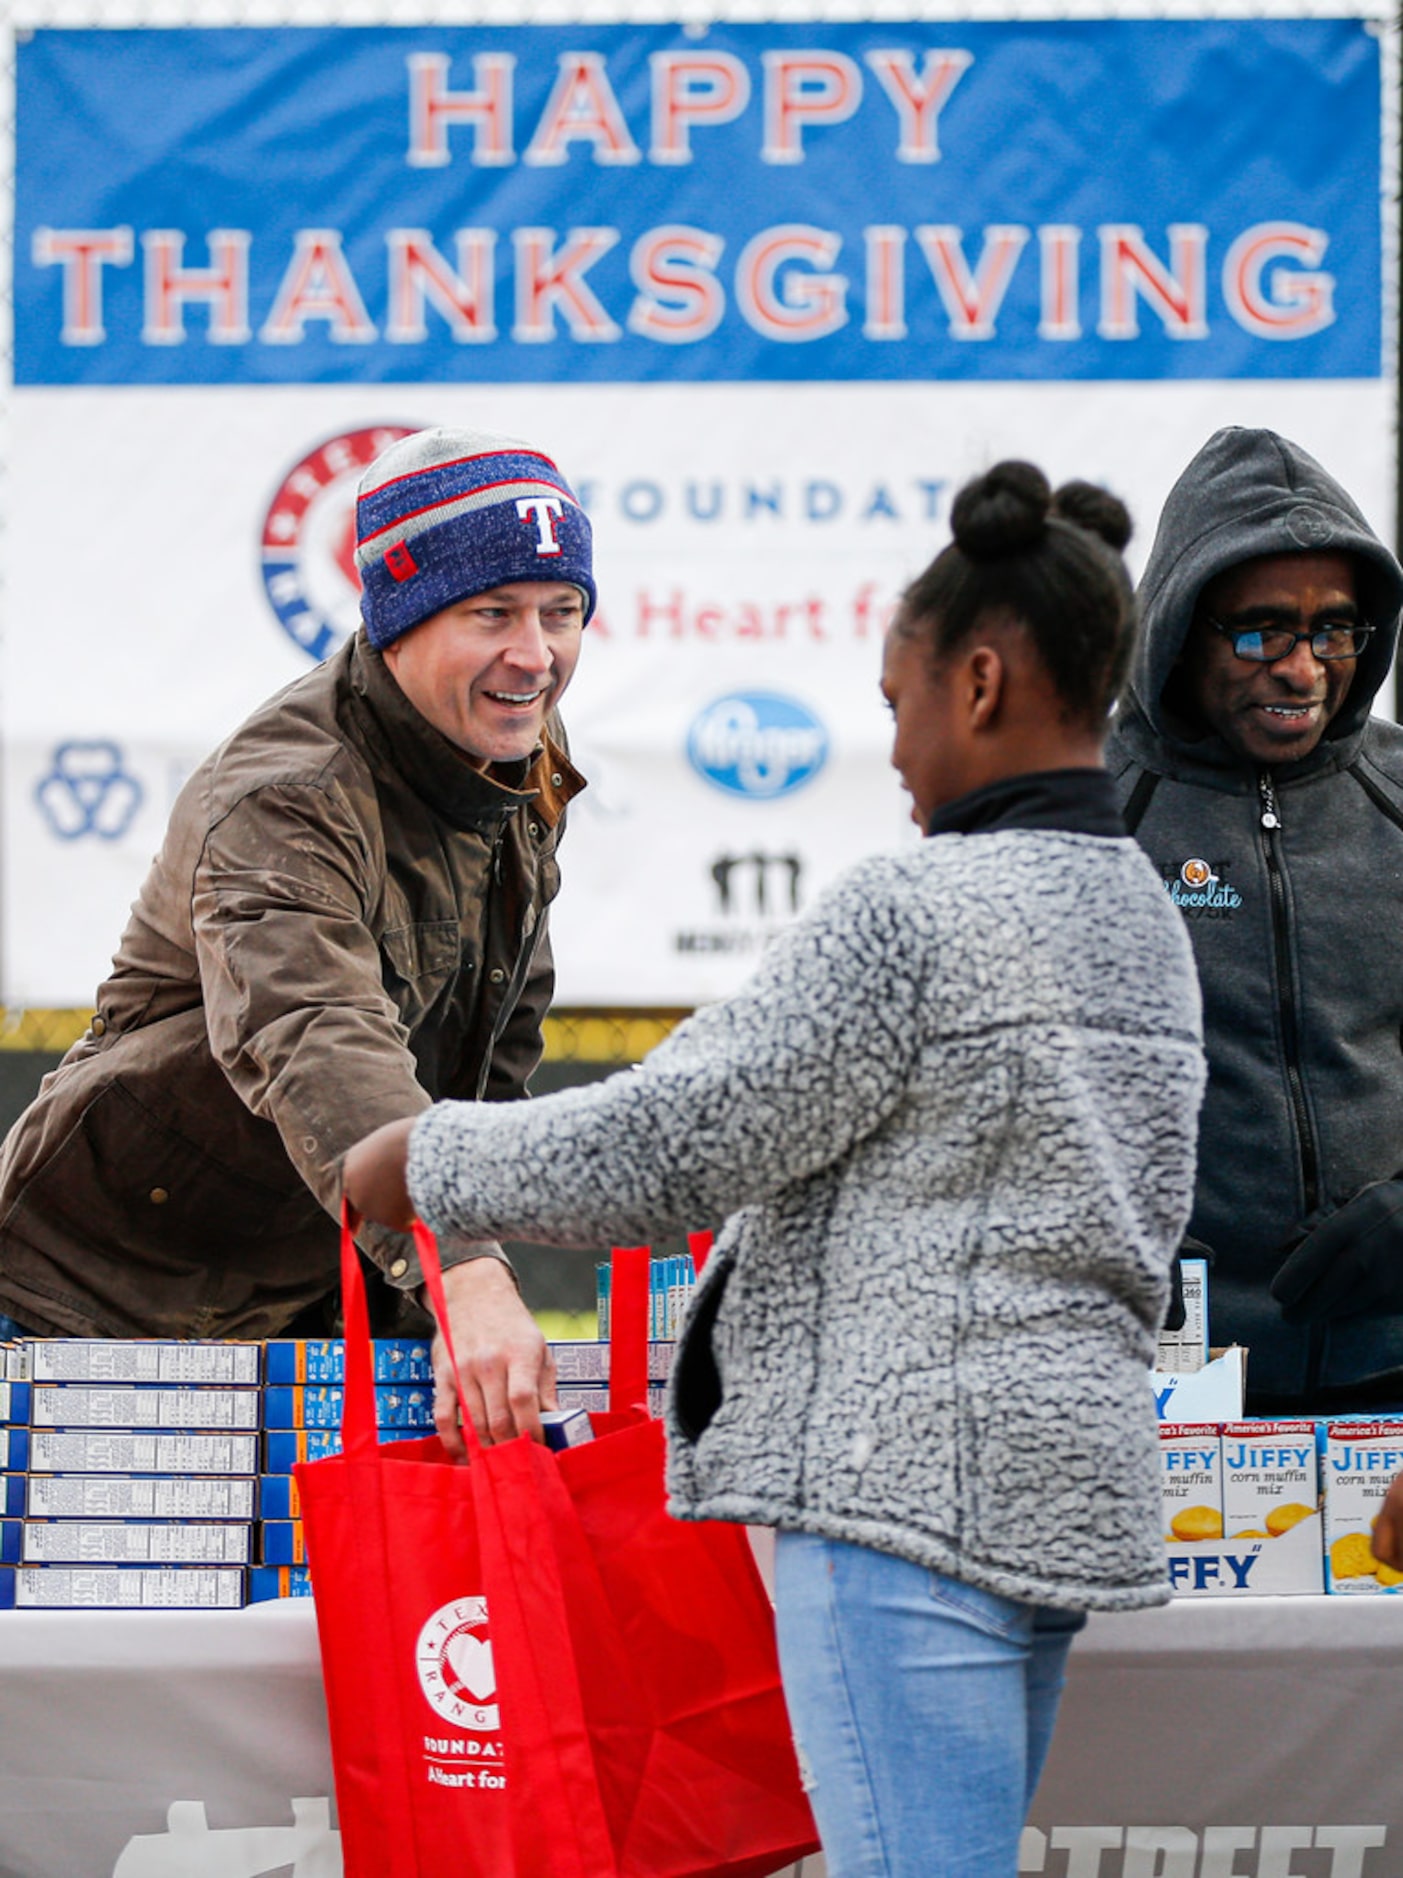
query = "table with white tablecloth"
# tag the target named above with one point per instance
(1217, 1738)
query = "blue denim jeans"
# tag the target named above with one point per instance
(922, 1709)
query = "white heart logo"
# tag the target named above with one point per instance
(470, 1659)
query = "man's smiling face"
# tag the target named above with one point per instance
(487, 671)
(1277, 713)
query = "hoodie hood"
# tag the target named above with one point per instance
(1246, 494)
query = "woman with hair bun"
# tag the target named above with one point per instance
(951, 1120)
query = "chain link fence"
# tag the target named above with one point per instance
(571, 1036)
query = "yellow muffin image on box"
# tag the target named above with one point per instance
(1388, 1576)
(1282, 1518)
(1249, 1533)
(1352, 1557)
(1197, 1522)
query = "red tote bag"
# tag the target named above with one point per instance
(531, 1671)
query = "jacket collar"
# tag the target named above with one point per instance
(439, 772)
(1207, 761)
(1069, 801)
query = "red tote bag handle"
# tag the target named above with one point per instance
(560, 1821)
(628, 1328)
(359, 1443)
(359, 1434)
(628, 1335)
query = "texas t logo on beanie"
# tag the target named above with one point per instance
(445, 514)
(542, 510)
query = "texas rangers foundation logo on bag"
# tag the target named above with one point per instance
(309, 539)
(454, 1660)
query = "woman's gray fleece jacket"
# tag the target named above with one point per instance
(952, 1118)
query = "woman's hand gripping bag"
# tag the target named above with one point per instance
(532, 1671)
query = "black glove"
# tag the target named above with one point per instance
(1188, 1249)
(1350, 1264)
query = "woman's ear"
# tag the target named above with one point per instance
(984, 669)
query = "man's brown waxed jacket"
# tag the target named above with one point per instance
(346, 921)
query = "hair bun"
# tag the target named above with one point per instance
(1096, 510)
(1002, 513)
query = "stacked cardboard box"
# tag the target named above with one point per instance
(302, 1402)
(129, 1473)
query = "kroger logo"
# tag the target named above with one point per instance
(757, 744)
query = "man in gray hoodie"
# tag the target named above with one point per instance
(1252, 773)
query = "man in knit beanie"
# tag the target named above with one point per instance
(347, 920)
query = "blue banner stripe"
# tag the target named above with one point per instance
(889, 200)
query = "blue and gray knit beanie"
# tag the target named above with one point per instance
(445, 514)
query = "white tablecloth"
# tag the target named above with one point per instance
(1256, 1738)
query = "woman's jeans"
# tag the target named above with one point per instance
(922, 1709)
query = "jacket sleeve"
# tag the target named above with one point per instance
(296, 1010)
(744, 1099)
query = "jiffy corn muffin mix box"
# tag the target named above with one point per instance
(1271, 1492)
(1191, 1479)
(1240, 1513)
(1359, 1461)
(1271, 1477)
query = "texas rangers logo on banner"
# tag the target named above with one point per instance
(309, 539)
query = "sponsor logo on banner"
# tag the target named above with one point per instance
(774, 882)
(753, 894)
(757, 744)
(454, 1660)
(309, 540)
(88, 790)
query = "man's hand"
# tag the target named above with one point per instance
(506, 1374)
(1350, 1264)
(1388, 1527)
(373, 1176)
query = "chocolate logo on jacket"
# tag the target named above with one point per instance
(1200, 888)
(454, 1659)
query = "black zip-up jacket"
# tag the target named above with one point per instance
(1291, 882)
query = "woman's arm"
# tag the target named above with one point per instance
(746, 1097)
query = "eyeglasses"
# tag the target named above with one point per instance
(1264, 645)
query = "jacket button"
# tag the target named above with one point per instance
(399, 1268)
(98, 1027)
(159, 1196)
(309, 1144)
(497, 975)
(534, 830)
(558, 780)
